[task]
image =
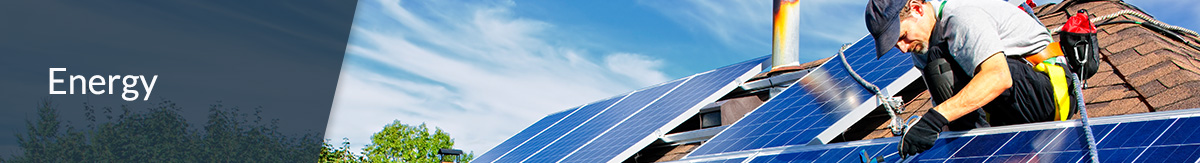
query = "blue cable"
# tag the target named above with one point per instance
(1087, 128)
(862, 82)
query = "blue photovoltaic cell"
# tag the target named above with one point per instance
(599, 123)
(835, 155)
(807, 156)
(733, 160)
(557, 131)
(1132, 134)
(521, 137)
(1185, 131)
(848, 154)
(1152, 154)
(804, 110)
(984, 142)
(1177, 143)
(655, 116)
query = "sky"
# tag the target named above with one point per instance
(484, 70)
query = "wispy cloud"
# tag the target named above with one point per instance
(734, 23)
(642, 69)
(473, 69)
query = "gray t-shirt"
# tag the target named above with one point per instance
(976, 29)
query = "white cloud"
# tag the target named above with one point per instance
(476, 71)
(640, 68)
(735, 23)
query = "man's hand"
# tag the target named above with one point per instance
(920, 134)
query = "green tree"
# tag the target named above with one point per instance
(399, 142)
(41, 135)
(160, 134)
(341, 154)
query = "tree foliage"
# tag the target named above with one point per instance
(340, 154)
(160, 134)
(398, 142)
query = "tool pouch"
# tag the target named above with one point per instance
(945, 77)
(1078, 41)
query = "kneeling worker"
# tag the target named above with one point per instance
(986, 41)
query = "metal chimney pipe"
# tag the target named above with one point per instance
(786, 38)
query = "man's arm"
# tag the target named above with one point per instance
(993, 78)
(990, 82)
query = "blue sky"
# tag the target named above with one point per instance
(484, 70)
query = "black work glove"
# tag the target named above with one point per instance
(919, 135)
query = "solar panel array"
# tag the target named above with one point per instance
(596, 126)
(653, 119)
(811, 106)
(567, 125)
(615, 128)
(524, 135)
(1170, 138)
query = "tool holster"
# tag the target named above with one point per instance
(944, 78)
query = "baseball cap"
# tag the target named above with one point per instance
(883, 21)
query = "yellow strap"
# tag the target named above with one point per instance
(1058, 79)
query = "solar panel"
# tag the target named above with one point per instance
(620, 123)
(596, 125)
(819, 106)
(522, 136)
(667, 112)
(559, 129)
(734, 160)
(1149, 137)
(1121, 142)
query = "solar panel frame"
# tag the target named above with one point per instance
(798, 116)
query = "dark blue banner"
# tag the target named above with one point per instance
(168, 80)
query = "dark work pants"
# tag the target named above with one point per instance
(1030, 99)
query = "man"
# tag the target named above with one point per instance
(987, 39)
